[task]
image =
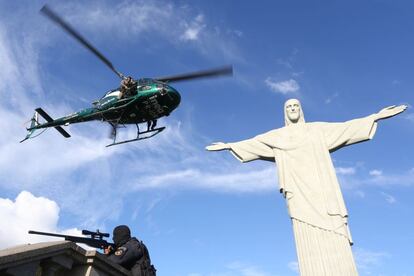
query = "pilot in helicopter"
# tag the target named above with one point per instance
(128, 87)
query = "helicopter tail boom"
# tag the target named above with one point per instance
(49, 119)
(35, 125)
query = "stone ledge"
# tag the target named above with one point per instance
(58, 258)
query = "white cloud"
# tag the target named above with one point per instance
(331, 98)
(375, 172)
(377, 178)
(123, 19)
(283, 87)
(236, 32)
(289, 61)
(294, 266)
(401, 179)
(255, 181)
(28, 212)
(192, 30)
(409, 116)
(345, 170)
(367, 260)
(243, 269)
(140, 19)
(285, 62)
(360, 194)
(236, 268)
(389, 198)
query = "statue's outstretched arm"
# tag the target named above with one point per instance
(390, 111)
(246, 150)
(218, 146)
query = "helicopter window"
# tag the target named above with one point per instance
(145, 87)
(110, 92)
(145, 81)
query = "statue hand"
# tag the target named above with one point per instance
(390, 111)
(218, 146)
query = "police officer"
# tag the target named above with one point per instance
(130, 253)
(128, 87)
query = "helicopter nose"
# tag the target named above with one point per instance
(167, 89)
(164, 90)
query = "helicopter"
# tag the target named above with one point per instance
(136, 101)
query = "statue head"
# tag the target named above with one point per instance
(293, 112)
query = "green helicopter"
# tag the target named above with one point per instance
(136, 101)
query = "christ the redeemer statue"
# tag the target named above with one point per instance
(308, 182)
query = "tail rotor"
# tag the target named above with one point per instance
(34, 122)
(36, 125)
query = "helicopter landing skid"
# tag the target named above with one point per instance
(152, 133)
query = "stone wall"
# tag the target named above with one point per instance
(61, 258)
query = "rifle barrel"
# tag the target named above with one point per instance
(49, 234)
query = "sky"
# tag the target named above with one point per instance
(204, 213)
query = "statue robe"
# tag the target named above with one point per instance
(308, 181)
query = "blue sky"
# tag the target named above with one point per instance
(202, 213)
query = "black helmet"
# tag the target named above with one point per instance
(121, 235)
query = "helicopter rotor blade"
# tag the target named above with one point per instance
(70, 30)
(221, 71)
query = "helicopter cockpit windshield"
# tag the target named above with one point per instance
(145, 81)
(113, 92)
(109, 97)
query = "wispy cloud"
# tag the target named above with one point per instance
(345, 170)
(283, 87)
(244, 269)
(377, 177)
(179, 25)
(289, 61)
(294, 266)
(360, 194)
(331, 98)
(386, 179)
(125, 18)
(193, 29)
(409, 116)
(219, 181)
(375, 172)
(235, 268)
(389, 198)
(367, 260)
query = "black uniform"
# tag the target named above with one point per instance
(131, 253)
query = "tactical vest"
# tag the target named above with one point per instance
(143, 266)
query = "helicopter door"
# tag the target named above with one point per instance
(117, 93)
(110, 97)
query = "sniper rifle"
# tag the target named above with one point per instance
(96, 240)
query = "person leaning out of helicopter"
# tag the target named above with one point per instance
(128, 85)
(130, 253)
